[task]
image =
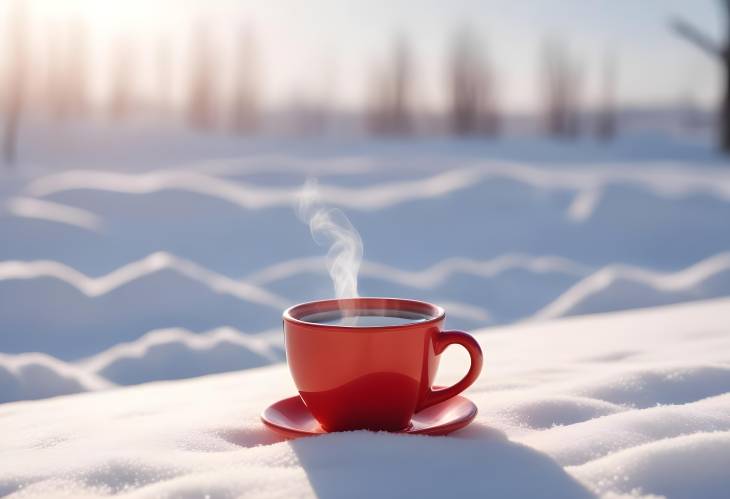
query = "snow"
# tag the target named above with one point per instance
(619, 287)
(112, 251)
(37, 376)
(143, 256)
(176, 353)
(54, 212)
(663, 181)
(634, 403)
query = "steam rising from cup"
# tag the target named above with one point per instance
(330, 227)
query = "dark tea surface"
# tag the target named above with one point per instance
(366, 318)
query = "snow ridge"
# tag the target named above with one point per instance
(35, 376)
(432, 276)
(54, 212)
(622, 286)
(179, 353)
(158, 355)
(662, 180)
(250, 196)
(155, 262)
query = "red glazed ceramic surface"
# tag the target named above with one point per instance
(373, 378)
(291, 418)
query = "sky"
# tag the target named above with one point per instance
(327, 48)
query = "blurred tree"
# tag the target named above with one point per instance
(606, 115)
(721, 53)
(201, 97)
(376, 100)
(67, 70)
(163, 62)
(55, 84)
(311, 108)
(15, 80)
(76, 69)
(491, 119)
(121, 98)
(401, 91)
(390, 106)
(471, 87)
(561, 86)
(245, 108)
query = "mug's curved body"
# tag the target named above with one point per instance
(373, 377)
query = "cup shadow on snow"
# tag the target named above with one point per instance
(249, 437)
(473, 462)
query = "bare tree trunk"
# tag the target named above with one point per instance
(606, 118)
(471, 87)
(725, 61)
(163, 62)
(719, 52)
(573, 98)
(724, 118)
(56, 84)
(77, 69)
(15, 82)
(466, 83)
(402, 67)
(246, 106)
(561, 86)
(122, 91)
(391, 92)
(377, 101)
(201, 99)
(490, 119)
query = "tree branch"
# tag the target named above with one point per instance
(696, 37)
(726, 5)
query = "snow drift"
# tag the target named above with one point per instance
(634, 403)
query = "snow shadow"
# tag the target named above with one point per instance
(475, 462)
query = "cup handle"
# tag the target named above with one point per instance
(441, 342)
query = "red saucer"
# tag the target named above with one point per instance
(291, 418)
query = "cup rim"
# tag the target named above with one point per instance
(434, 312)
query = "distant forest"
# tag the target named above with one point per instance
(60, 89)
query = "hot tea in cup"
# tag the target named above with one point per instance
(369, 363)
(365, 318)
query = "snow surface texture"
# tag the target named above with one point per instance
(629, 403)
(177, 259)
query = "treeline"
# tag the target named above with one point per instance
(471, 90)
(61, 88)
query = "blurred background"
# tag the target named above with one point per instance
(487, 68)
(511, 161)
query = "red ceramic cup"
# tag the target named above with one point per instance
(372, 378)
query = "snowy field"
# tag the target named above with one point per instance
(132, 257)
(149, 266)
(633, 403)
